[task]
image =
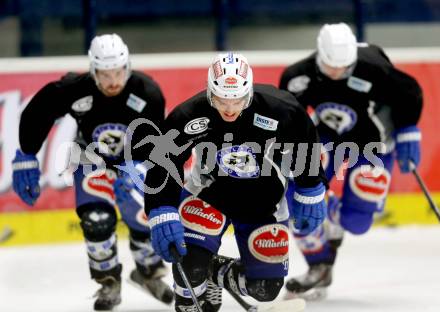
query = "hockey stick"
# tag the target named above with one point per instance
(178, 263)
(292, 305)
(5, 234)
(432, 204)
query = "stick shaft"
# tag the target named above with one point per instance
(425, 191)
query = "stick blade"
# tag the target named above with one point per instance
(292, 305)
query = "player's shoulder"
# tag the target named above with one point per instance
(373, 55)
(304, 66)
(279, 102)
(194, 107)
(140, 80)
(74, 80)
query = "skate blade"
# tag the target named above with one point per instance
(314, 294)
(292, 305)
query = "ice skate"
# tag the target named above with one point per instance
(311, 285)
(213, 297)
(154, 286)
(109, 295)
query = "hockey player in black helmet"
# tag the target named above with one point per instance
(103, 102)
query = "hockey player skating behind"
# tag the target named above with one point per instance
(357, 96)
(238, 130)
(103, 103)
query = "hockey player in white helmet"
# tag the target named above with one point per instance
(231, 184)
(109, 64)
(356, 95)
(103, 102)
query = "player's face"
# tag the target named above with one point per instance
(229, 109)
(111, 82)
(334, 73)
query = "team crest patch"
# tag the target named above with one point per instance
(359, 84)
(338, 117)
(238, 161)
(201, 217)
(369, 187)
(100, 185)
(110, 138)
(83, 104)
(298, 84)
(270, 243)
(136, 103)
(265, 123)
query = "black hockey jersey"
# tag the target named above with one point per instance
(366, 107)
(239, 166)
(100, 119)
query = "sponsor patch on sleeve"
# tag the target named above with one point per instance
(83, 104)
(298, 84)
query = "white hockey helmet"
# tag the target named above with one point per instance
(230, 77)
(337, 45)
(108, 52)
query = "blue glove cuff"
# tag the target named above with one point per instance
(163, 214)
(310, 195)
(408, 134)
(24, 161)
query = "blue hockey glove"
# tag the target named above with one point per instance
(25, 177)
(408, 147)
(166, 229)
(309, 208)
(124, 184)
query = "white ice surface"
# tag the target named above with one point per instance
(384, 270)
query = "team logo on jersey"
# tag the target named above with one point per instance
(265, 123)
(298, 84)
(338, 117)
(238, 161)
(100, 185)
(270, 243)
(136, 103)
(201, 217)
(83, 105)
(112, 137)
(369, 187)
(359, 84)
(197, 125)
